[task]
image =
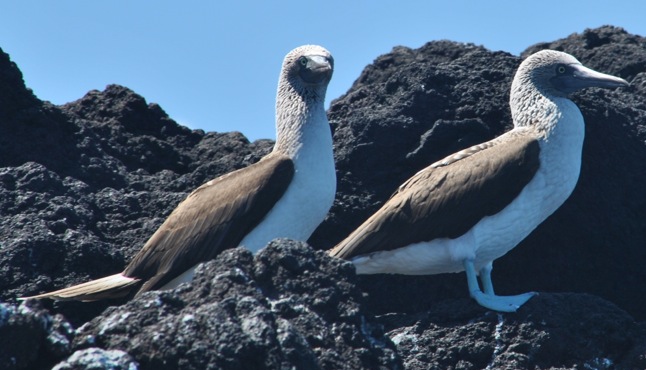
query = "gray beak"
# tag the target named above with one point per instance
(580, 77)
(317, 70)
(318, 62)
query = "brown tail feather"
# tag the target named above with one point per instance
(113, 286)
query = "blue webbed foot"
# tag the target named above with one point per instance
(501, 303)
(489, 299)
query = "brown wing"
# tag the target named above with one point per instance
(446, 199)
(215, 216)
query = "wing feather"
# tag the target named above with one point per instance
(447, 198)
(215, 216)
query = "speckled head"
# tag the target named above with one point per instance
(308, 68)
(558, 74)
(546, 76)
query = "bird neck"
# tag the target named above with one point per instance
(300, 118)
(556, 121)
(538, 109)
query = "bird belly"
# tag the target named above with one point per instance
(426, 258)
(491, 238)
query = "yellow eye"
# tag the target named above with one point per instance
(560, 69)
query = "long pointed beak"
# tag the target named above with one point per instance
(583, 77)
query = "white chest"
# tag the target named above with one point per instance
(309, 196)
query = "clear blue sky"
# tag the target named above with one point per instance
(214, 65)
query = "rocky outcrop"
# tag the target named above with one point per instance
(83, 185)
(32, 338)
(278, 310)
(554, 330)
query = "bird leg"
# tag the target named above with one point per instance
(488, 299)
(485, 279)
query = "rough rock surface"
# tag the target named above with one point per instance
(555, 330)
(279, 310)
(83, 185)
(31, 337)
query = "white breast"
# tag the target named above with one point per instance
(309, 196)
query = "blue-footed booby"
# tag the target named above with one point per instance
(470, 208)
(286, 194)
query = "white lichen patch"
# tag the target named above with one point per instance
(113, 321)
(96, 358)
(156, 302)
(599, 364)
(405, 338)
(58, 340)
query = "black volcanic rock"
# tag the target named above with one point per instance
(14, 96)
(279, 310)
(83, 185)
(30, 337)
(552, 330)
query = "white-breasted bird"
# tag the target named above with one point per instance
(470, 208)
(286, 194)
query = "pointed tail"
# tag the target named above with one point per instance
(113, 286)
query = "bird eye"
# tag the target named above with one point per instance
(560, 69)
(302, 61)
